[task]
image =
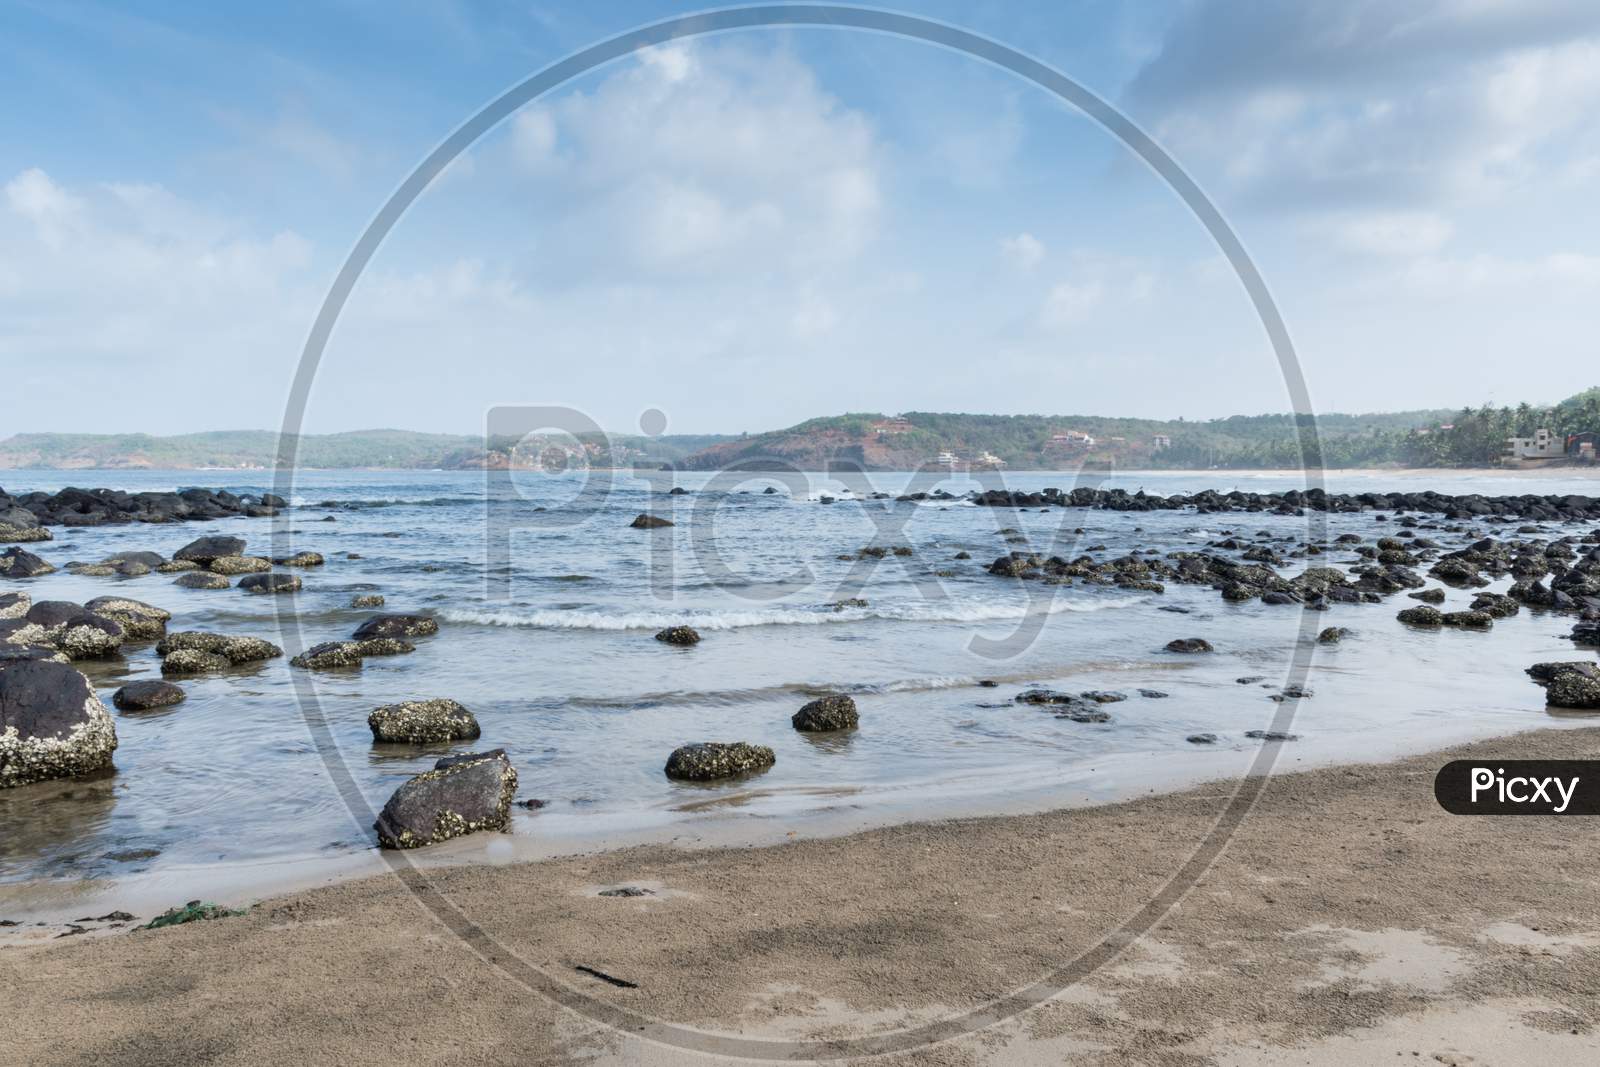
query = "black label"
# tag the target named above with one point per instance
(1519, 787)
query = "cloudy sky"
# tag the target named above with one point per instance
(752, 229)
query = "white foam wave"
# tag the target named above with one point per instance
(915, 611)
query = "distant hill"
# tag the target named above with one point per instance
(358, 449)
(1424, 438)
(1470, 437)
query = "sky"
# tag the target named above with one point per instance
(750, 229)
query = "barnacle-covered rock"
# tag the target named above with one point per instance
(239, 565)
(20, 563)
(139, 621)
(710, 760)
(423, 722)
(397, 626)
(836, 711)
(51, 724)
(461, 795)
(270, 583)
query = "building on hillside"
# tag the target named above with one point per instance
(1160, 442)
(946, 459)
(1542, 445)
(988, 459)
(1070, 441)
(892, 426)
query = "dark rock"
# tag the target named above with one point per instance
(649, 522)
(1544, 673)
(201, 580)
(330, 655)
(300, 559)
(147, 695)
(1429, 596)
(397, 626)
(20, 563)
(1153, 694)
(14, 605)
(205, 550)
(836, 711)
(367, 600)
(232, 649)
(1189, 644)
(1573, 689)
(459, 796)
(1467, 620)
(139, 621)
(711, 760)
(51, 724)
(1424, 616)
(679, 635)
(1332, 635)
(1270, 735)
(1201, 739)
(270, 583)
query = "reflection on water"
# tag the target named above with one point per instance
(554, 654)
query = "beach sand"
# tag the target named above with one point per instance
(1349, 920)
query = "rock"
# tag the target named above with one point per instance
(367, 600)
(397, 626)
(1201, 739)
(1573, 689)
(1332, 635)
(233, 649)
(300, 559)
(1293, 692)
(178, 566)
(849, 602)
(20, 563)
(461, 795)
(20, 524)
(194, 661)
(423, 722)
(14, 605)
(151, 560)
(1429, 596)
(1044, 696)
(679, 635)
(51, 724)
(11, 651)
(836, 711)
(1427, 617)
(649, 522)
(239, 565)
(1086, 714)
(711, 760)
(1544, 673)
(70, 628)
(1467, 620)
(206, 549)
(383, 646)
(201, 580)
(147, 695)
(1153, 694)
(139, 621)
(1105, 696)
(270, 583)
(1270, 735)
(330, 655)
(1189, 644)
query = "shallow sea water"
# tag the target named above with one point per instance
(548, 603)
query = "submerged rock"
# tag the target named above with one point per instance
(300, 559)
(836, 711)
(679, 635)
(1332, 635)
(710, 760)
(397, 626)
(649, 522)
(148, 695)
(367, 600)
(202, 580)
(423, 722)
(1189, 644)
(384, 646)
(270, 583)
(1424, 616)
(461, 795)
(1201, 739)
(139, 621)
(330, 655)
(1467, 620)
(1270, 735)
(20, 563)
(51, 724)
(1429, 596)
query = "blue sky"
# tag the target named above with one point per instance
(752, 229)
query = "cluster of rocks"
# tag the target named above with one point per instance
(1574, 684)
(381, 635)
(196, 652)
(49, 629)
(1530, 506)
(24, 517)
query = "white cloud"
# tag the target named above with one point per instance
(1025, 251)
(1068, 303)
(1393, 233)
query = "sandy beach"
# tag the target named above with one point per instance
(1349, 920)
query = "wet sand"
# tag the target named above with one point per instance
(1349, 920)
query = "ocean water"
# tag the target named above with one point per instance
(548, 602)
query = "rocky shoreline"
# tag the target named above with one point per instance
(27, 517)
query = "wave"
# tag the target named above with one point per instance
(919, 611)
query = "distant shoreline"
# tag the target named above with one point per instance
(1567, 471)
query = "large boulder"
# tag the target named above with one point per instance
(51, 724)
(147, 695)
(20, 563)
(461, 795)
(423, 722)
(139, 621)
(20, 524)
(710, 760)
(397, 626)
(1573, 689)
(835, 711)
(205, 550)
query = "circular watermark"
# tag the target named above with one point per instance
(687, 27)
